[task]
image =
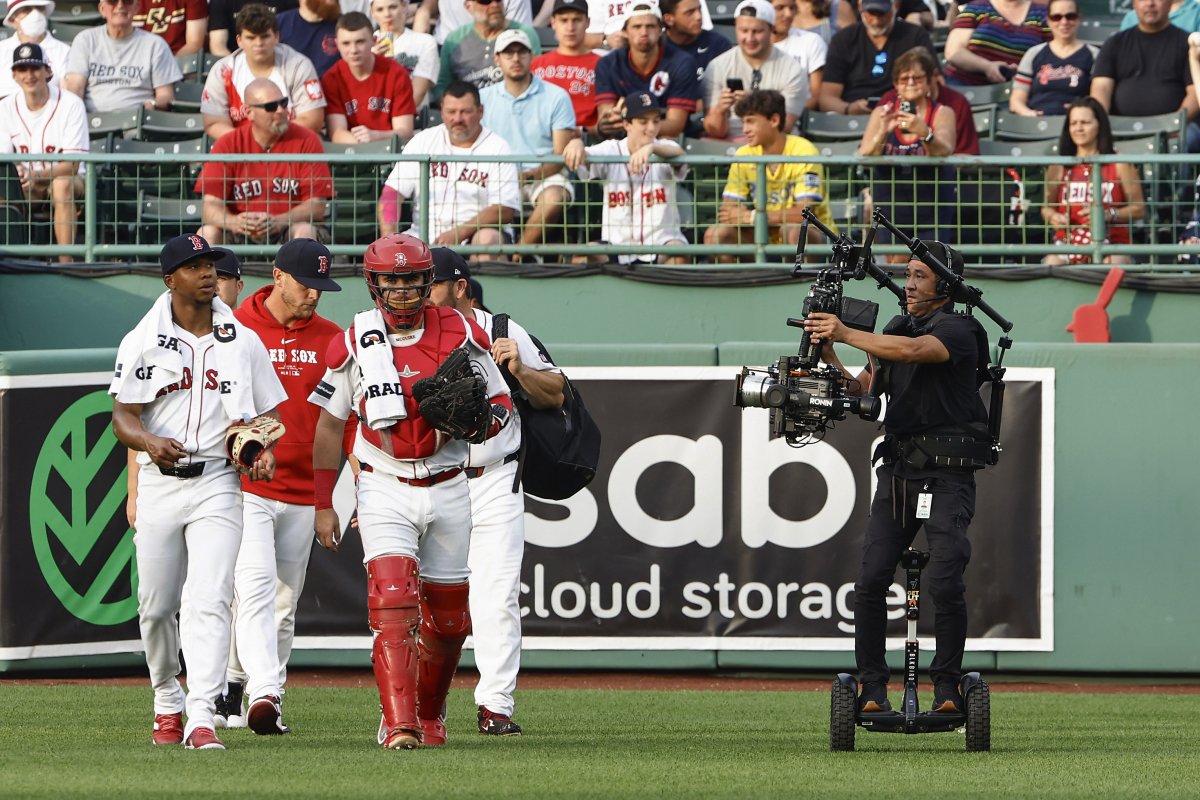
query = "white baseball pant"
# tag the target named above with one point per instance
(272, 562)
(188, 533)
(429, 523)
(497, 547)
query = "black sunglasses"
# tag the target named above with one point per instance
(1070, 16)
(271, 105)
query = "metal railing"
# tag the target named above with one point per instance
(988, 205)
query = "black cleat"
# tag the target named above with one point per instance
(229, 707)
(873, 699)
(947, 700)
(493, 724)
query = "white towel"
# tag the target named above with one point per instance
(148, 354)
(379, 370)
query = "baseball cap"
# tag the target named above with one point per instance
(182, 249)
(570, 5)
(228, 263)
(639, 8)
(29, 54)
(47, 7)
(449, 265)
(308, 261)
(877, 6)
(640, 103)
(510, 37)
(759, 9)
(477, 293)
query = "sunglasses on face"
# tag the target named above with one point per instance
(913, 79)
(1070, 16)
(121, 2)
(271, 106)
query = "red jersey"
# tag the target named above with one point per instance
(169, 19)
(387, 92)
(575, 74)
(298, 355)
(1075, 200)
(257, 186)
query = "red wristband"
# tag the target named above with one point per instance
(323, 483)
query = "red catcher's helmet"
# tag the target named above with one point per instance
(399, 254)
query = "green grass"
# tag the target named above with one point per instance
(94, 741)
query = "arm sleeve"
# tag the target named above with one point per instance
(796, 90)
(1106, 62)
(564, 111)
(219, 18)
(816, 53)
(214, 99)
(331, 87)
(304, 87)
(607, 90)
(531, 355)
(737, 186)
(811, 186)
(1024, 76)
(319, 180)
(335, 391)
(196, 10)
(837, 60)
(77, 60)
(404, 175)
(428, 63)
(402, 94)
(213, 177)
(164, 70)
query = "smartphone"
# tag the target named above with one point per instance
(873, 101)
(906, 107)
(734, 84)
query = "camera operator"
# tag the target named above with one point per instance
(930, 362)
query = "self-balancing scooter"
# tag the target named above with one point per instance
(844, 713)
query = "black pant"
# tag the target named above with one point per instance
(892, 527)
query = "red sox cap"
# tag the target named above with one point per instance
(182, 249)
(227, 262)
(640, 103)
(308, 261)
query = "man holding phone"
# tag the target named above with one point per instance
(859, 67)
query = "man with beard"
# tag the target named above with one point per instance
(311, 29)
(256, 202)
(469, 52)
(858, 68)
(470, 202)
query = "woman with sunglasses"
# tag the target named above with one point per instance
(913, 125)
(1068, 210)
(988, 39)
(1051, 75)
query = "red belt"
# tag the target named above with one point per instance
(432, 480)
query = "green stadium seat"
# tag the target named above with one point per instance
(1034, 148)
(77, 13)
(722, 10)
(170, 125)
(546, 38)
(1168, 127)
(706, 182)
(989, 95)
(352, 218)
(160, 218)
(114, 122)
(150, 174)
(821, 127)
(1015, 127)
(985, 121)
(66, 32)
(187, 97)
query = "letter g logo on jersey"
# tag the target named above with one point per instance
(369, 338)
(224, 333)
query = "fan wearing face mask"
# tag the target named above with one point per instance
(31, 20)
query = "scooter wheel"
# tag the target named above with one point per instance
(842, 707)
(979, 718)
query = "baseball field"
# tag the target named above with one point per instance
(609, 736)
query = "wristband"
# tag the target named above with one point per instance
(323, 483)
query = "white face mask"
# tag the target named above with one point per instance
(34, 23)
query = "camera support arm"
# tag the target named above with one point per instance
(853, 261)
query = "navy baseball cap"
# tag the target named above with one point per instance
(640, 103)
(876, 6)
(570, 5)
(449, 266)
(308, 261)
(182, 249)
(228, 263)
(29, 55)
(477, 293)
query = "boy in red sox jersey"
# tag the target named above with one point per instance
(370, 99)
(414, 509)
(277, 515)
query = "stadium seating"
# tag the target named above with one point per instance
(66, 32)
(1011, 126)
(114, 122)
(160, 218)
(988, 95)
(158, 126)
(352, 217)
(77, 13)
(187, 97)
(819, 127)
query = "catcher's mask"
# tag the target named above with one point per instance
(402, 255)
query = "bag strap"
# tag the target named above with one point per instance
(500, 331)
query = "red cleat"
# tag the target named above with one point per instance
(204, 739)
(168, 728)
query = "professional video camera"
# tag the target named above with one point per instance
(805, 398)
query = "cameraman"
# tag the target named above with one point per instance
(930, 362)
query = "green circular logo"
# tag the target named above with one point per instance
(68, 459)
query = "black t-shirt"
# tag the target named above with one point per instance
(864, 71)
(1150, 70)
(222, 12)
(941, 397)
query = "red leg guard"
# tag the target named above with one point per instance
(445, 623)
(393, 602)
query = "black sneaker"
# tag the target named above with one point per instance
(947, 700)
(493, 724)
(229, 707)
(873, 698)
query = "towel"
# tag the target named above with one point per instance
(149, 359)
(378, 369)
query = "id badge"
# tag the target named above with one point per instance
(924, 505)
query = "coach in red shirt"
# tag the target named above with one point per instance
(258, 202)
(368, 98)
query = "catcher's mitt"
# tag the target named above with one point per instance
(245, 441)
(459, 408)
(456, 367)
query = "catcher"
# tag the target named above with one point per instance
(423, 385)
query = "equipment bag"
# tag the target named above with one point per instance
(560, 447)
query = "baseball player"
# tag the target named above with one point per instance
(183, 375)
(414, 512)
(471, 201)
(277, 515)
(640, 203)
(497, 505)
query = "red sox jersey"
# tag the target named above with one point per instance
(169, 19)
(386, 93)
(409, 447)
(60, 126)
(298, 355)
(458, 190)
(259, 186)
(577, 76)
(227, 81)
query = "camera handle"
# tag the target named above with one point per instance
(859, 261)
(958, 291)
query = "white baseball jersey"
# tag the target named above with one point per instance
(638, 209)
(56, 53)
(458, 190)
(293, 73)
(60, 126)
(197, 418)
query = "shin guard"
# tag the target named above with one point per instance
(445, 623)
(393, 602)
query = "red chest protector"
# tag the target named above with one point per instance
(411, 438)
